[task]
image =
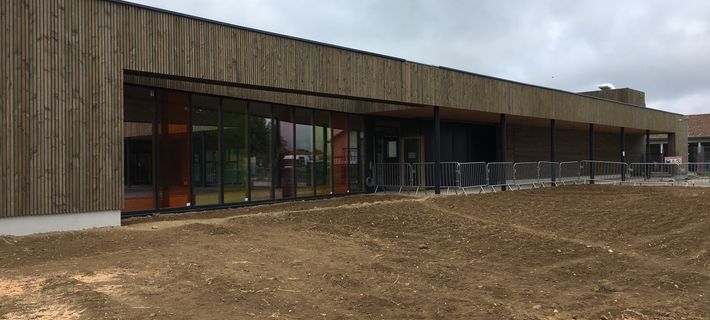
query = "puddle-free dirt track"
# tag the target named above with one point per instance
(584, 252)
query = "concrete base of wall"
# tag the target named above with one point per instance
(20, 226)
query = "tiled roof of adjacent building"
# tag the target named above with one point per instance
(699, 125)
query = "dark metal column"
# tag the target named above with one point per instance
(502, 143)
(591, 153)
(502, 128)
(553, 174)
(622, 149)
(647, 155)
(437, 151)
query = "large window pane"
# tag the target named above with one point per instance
(205, 150)
(138, 114)
(356, 153)
(260, 140)
(304, 152)
(340, 152)
(283, 181)
(174, 146)
(323, 153)
(234, 119)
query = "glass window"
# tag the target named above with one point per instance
(285, 155)
(356, 153)
(304, 153)
(234, 119)
(138, 116)
(260, 141)
(174, 148)
(205, 150)
(323, 153)
(340, 152)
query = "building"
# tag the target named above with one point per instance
(113, 108)
(698, 140)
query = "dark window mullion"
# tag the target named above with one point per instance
(156, 150)
(272, 152)
(249, 150)
(313, 152)
(293, 152)
(191, 157)
(220, 148)
(332, 153)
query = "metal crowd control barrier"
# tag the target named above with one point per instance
(503, 175)
(526, 173)
(424, 175)
(549, 172)
(603, 171)
(698, 173)
(473, 175)
(393, 175)
(654, 172)
(570, 172)
(500, 174)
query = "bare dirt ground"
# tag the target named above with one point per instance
(584, 252)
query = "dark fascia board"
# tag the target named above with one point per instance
(264, 88)
(128, 3)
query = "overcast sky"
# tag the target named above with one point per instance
(659, 47)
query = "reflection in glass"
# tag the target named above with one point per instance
(304, 152)
(260, 141)
(283, 181)
(174, 146)
(322, 153)
(340, 152)
(138, 114)
(356, 153)
(234, 119)
(205, 150)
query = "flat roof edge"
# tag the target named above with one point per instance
(557, 90)
(231, 25)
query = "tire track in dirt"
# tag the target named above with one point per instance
(646, 259)
(156, 225)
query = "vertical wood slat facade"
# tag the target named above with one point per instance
(61, 147)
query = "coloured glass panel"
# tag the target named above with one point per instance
(205, 150)
(174, 148)
(138, 117)
(234, 120)
(285, 155)
(304, 153)
(323, 153)
(340, 152)
(260, 142)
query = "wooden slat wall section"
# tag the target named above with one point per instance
(572, 144)
(61, 117)
(272, 61)
(62, 99)
(606, 146)
(6, 75)
(21, 106)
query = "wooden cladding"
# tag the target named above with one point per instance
(64, 61)
(168, 44)
(61, 108)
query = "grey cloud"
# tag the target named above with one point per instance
(660, 47)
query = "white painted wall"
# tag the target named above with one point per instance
(20, 226)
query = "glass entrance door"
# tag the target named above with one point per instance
(411, 152)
